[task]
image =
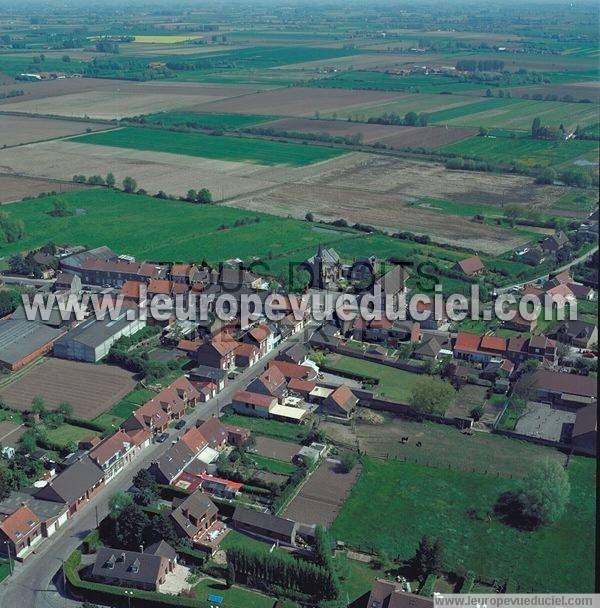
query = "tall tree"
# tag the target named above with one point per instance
(545, 492)
(130, 526)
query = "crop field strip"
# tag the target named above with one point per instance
(207, 146)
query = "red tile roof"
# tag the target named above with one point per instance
(494, 343)
(159, 286)
(292, 370)
(471, 265)
(254, 399)
(109, 447)
(302, 386)
(195, 440)
(466, 341)
(190, 346)
(19, 524)
(131, 289)
(260, 333)
(246, 350)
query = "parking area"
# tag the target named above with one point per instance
(544, 421)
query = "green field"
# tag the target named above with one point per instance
(176, 230)
(519, 114)
(393, 383)
(242, 149)
(413, 500)
(198, 120)
(391, 82)
(172, 230)
(269, 428)
(529, 152)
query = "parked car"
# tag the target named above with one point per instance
(162, 437)
(180, 424)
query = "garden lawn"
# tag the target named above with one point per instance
(234, 597)
(529, 152)
(274, 466)
(124, 408)
(269, 428)
(236, 539)
(394, 504)
(4, 569)
(393, 383)
(68, 433)
(242, 149)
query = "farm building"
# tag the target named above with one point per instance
(585, 430)
(568, 390)
(265, 525)
(91, 340)
(471, 266)
(22, 342)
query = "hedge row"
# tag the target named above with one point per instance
(428, 585)
(468, 582)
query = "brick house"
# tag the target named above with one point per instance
(20, 533)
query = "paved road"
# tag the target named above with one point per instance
(574, 262)
(34, 584)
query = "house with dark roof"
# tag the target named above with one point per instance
(75, 486)
(172, 462)
(67, 282)
(265, 525)
(577, 333)
(431, 348)
(389, 594)
(296, 353)
(520, 323)
(325, 268)
(341, 403)
(196, 519)
(147, 570)
(471, 267)
(20, 533)
(554, 242)
(271, 383)
(202, 374)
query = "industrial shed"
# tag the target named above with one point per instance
(91, 340)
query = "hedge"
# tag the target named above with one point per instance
(92, 542)
(428, 585)
(468, 582)
(198, 557)
(86, 424)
